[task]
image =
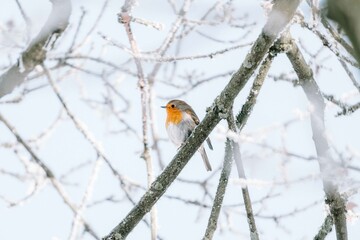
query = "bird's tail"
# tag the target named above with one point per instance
(205, 158)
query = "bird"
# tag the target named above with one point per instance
(181, 120)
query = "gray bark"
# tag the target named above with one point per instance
(220, 192)
(325, 228)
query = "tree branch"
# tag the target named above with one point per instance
(325, 228)
(220, 192)
(248, 106)
(144, 95)
(35, 54)
(327, 166)
(254, 235)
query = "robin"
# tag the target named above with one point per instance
(180, 122)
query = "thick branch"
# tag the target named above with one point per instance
(35, 53)
(218, 111)
(327, 166)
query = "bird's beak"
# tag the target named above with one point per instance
(163, 106)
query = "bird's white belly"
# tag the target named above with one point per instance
(177, 133)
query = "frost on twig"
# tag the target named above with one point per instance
(35, 53)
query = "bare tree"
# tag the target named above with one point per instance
(104, 77)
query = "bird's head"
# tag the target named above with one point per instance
(176, 106)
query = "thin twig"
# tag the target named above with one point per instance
(95, 24)
(254, 235)
(86, 197)
(26, 19)
(49, 174)
(144, 94)
(220, 192)
(325, 228)
(244, 114)
(211, 55)
(169, 39)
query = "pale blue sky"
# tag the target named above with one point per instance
(45, 216)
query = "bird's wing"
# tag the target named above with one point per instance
(196, 120)
(193, 115)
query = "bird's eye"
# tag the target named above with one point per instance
(172, 105)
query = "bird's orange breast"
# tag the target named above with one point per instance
(174, 116)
